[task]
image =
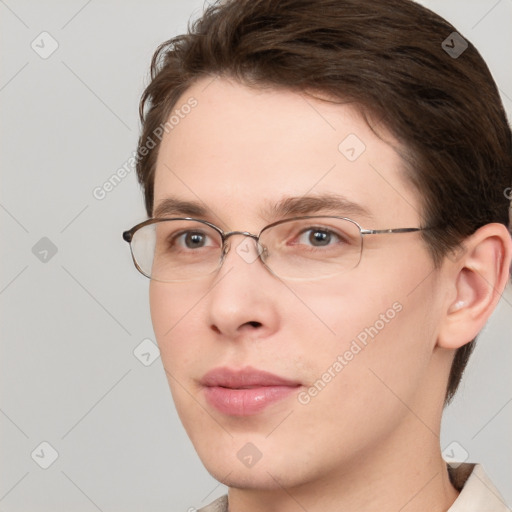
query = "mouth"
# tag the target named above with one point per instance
(245, 392)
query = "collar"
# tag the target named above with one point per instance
(477, 492)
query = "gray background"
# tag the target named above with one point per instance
(72, 320)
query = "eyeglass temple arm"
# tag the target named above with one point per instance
(384, 231)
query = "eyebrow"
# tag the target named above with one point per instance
(326, 203)
(334, 204)
(173, 206)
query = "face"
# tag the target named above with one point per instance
(281, 382)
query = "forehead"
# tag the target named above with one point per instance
(240, 148)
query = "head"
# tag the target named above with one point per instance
(252, 107)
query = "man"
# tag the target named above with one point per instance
(326, 185)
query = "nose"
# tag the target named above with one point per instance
(243, 298)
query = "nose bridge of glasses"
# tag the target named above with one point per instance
(249, 252)
(242, 233)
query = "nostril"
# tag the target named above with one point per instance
(254, 324)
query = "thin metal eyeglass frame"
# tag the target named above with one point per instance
(129, 234)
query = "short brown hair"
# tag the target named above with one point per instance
(387, 57)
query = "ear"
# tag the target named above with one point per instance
(478, 278)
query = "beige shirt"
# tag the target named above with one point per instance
(477, 493)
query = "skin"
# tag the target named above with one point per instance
(370, 439)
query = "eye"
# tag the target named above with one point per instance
(193, 240)
(318, 237)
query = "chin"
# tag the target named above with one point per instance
(277, 467)
(257, 478)
(252, 481)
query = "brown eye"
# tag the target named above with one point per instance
(319, 238)
(192, 240)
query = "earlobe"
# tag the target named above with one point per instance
(478, 279)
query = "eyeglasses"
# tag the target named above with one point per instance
(301, 248)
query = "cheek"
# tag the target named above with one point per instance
(172, 311)
(377, 333)
(174, 317)
(162, 307)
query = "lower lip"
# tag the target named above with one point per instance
(246, 402)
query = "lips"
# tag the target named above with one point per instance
(245, 392)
